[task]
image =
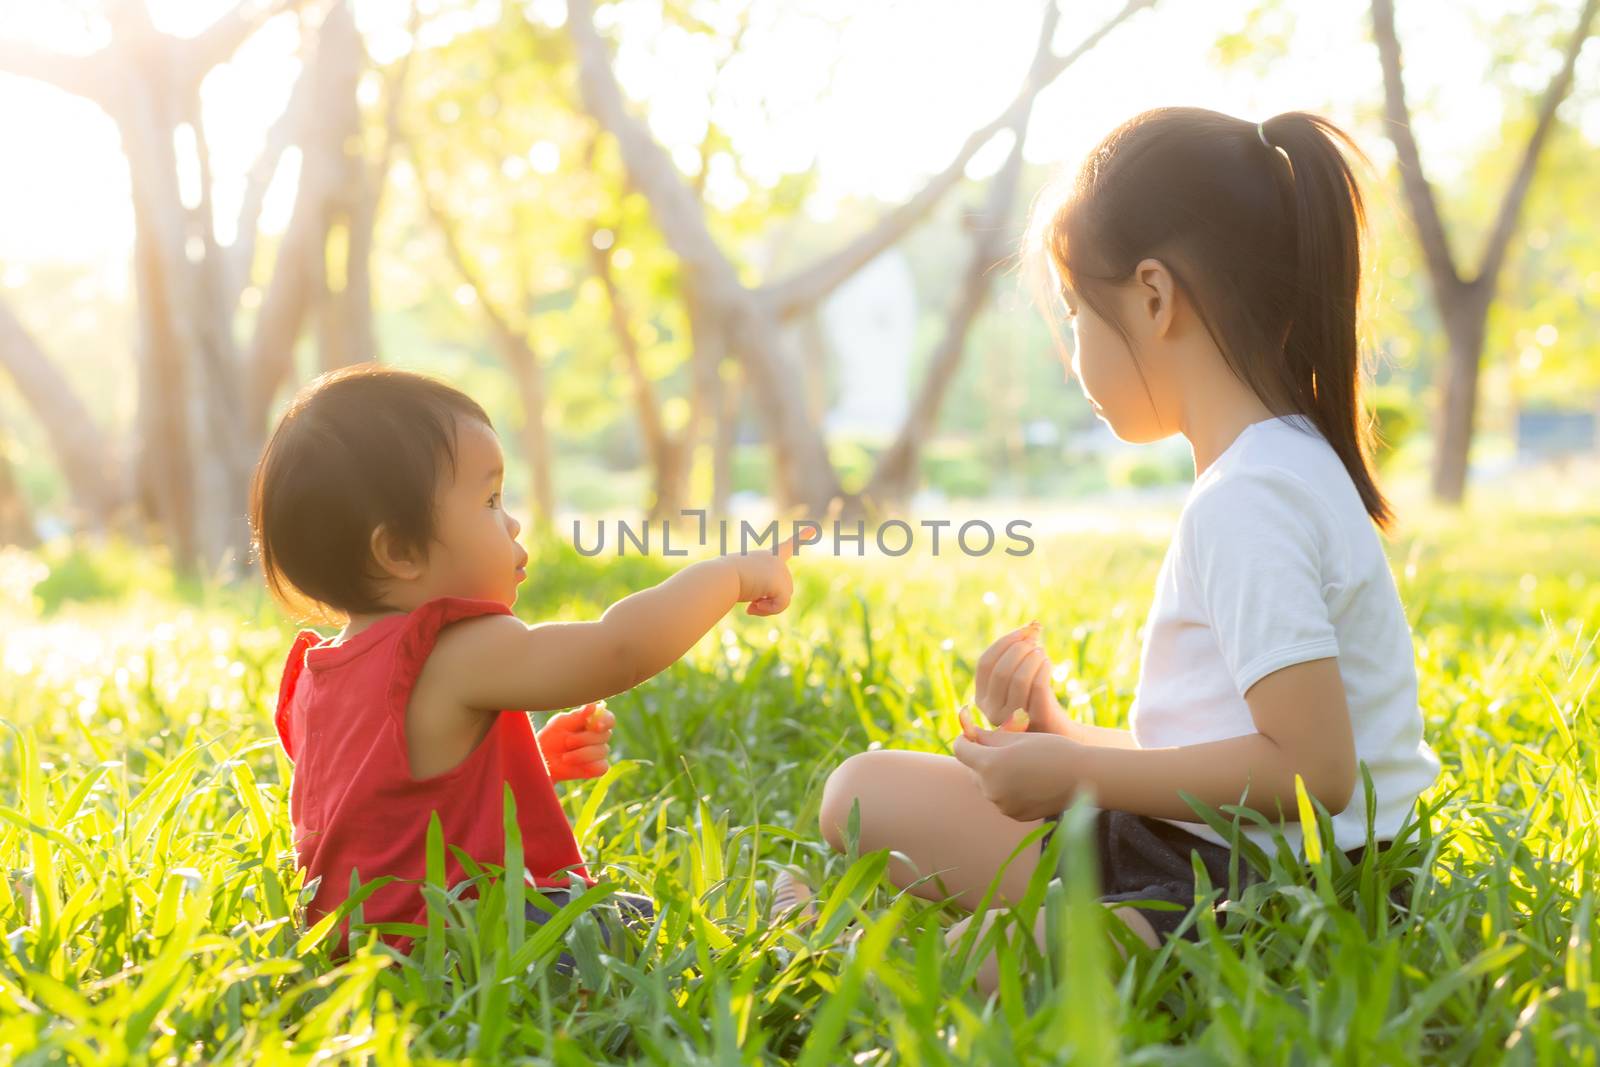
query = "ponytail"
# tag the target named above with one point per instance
(1261, 225)
(1321, 353)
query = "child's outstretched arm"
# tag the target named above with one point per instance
(497, 662)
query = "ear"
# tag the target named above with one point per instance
(1156, 294)
(393, 562)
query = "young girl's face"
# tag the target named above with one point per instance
(477, 554)
(1108, 375)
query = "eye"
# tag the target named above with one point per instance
(492, 498)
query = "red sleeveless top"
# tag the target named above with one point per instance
(352, 800)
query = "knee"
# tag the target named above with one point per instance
(839, 792)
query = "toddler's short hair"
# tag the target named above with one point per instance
(358, 447)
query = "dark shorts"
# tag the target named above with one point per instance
(1142, 858)
(634, 909)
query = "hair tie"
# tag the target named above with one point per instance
(1261, 131)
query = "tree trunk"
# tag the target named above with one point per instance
(523, 364)
(16, 521)
(730, 393)
(895, 477)
(1455, 419)
(166, 350)
(670, 454)
(344, 333)
(1463, 304)
(714, 401)
(81, 450)
(200, 423)
(332, 179)
(520, 358)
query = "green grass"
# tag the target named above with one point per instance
(151, 907)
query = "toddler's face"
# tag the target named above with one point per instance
(478, 552)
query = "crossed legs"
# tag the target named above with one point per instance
(929, 808)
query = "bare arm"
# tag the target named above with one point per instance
(1303, 725)
(1087, 734)
(497, 662)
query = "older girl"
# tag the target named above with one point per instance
(1210, 267)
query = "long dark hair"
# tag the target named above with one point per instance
(1264, 237)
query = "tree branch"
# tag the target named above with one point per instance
(678, 210)
(1397, 124)
(80, 449)
(1511, 203)
(285, 130)
(896, 470)
(218, 42)
(77, 75)
(450, 234)
(806, 288)
(644, 391)
(394, 93)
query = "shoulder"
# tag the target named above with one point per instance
(478, 637)
(1254, 495)
(293, 665)
(455, 622)
(457, 637)
(428, 621)
(1262, 511)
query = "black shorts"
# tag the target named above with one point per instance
(633, 909)
(1143, 858)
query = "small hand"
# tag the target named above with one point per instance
(764, 579)
(576, 743)
(1025, 775)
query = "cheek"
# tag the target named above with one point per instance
(1088, 357)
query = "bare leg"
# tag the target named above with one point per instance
(928, 807)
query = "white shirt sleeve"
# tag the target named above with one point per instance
(1264, 560)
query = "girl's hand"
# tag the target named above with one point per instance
(1014, 673)
(576, 743)
(1025, 775)
(1018, 723)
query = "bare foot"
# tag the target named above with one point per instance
(790, 893)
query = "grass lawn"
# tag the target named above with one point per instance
(150, 900)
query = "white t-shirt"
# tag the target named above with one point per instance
(1274, 562)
